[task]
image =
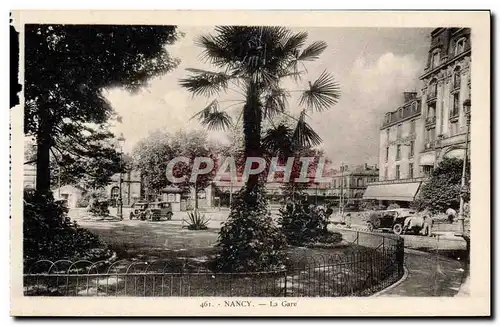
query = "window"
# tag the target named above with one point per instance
(401, 113)
(456, 78)
(435, 59)
(386, 173)
(171, 198)
(201, 194)
(388, 117)
(387, 154)
(398, 172)
(430, 134)
(433, 89)
(454, 128)
(334, 183)
(410, 170)
(398, 153)
(427, 169)
(115, 192)
(414, 107)
(387, 134)
(399, 131)
(412, 127)
(431, 111)
(460, 46)
(346, 183)
(456, 105)
(359, 182)
(412, 149)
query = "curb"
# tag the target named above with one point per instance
(392, 286)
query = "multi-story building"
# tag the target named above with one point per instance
(418, 135)
(350, 183)
(446, 86)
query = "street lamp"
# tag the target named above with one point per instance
(119, 206)
(461, 217)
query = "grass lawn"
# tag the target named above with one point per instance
(175, 258)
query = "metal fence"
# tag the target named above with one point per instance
(369, 263)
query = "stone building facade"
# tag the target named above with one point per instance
(428, 126)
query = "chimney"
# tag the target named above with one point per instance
(408, 96)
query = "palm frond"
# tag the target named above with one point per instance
(278, 140)
(212, 117)
(304, 135)
(322, 94)
(275, 102)
(206, 83)
(312, 51)
(294, 42)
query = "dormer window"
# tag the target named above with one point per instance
(414, 107)
(460, 46)
(435, 58)
(400, 113)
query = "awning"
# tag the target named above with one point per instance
(394, 191)
(455, 153)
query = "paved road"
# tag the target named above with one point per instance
(429, 275)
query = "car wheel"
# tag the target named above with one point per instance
(370, 227)
(397, 229)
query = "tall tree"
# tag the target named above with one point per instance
(66, 69)
(258, 60)
(152, 155)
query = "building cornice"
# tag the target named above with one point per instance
(446, 63)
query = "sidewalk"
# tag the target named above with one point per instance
(429, 275)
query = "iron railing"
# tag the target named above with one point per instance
(369, 263)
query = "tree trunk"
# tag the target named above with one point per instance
(195, 197)
(44, 142)
(252, 119)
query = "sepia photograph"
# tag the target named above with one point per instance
(250, 165)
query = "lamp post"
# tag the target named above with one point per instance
(461, 217)
(119, 206)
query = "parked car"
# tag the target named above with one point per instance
(139, 210)
(389, 220)
(159, 210)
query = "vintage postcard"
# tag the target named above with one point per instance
(250, 163)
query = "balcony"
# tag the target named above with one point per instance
(430, 121)
(397, 181)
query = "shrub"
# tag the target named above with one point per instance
(197, 221)
(369, 205)
(49, 234)
(249, 240)
(303, 224)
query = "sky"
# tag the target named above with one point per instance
(373, 67)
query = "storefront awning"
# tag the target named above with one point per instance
(394, 191)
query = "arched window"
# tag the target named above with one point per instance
(460, 46)
(360, 182)
(115, 191)
(201, 194)
(414, 107)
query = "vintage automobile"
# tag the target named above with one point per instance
(157, 211)
(139, 210)
(389, 220)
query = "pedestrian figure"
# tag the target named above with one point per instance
(348, 220)
(451, 213)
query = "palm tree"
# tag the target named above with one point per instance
(257, 61)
